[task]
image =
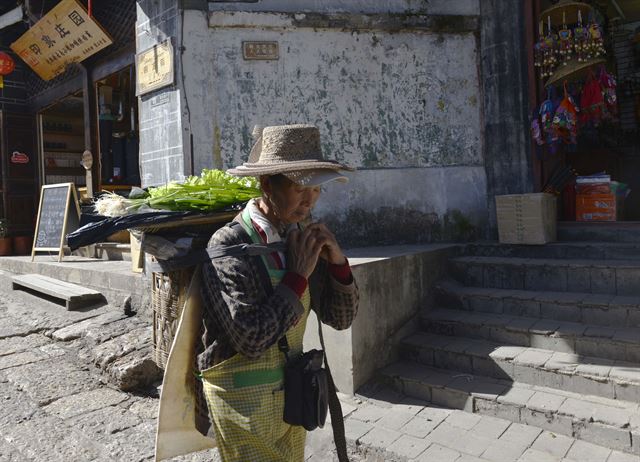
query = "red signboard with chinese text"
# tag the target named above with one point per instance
(66, 34)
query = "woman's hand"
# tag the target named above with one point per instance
(331, 250)
(303, 250)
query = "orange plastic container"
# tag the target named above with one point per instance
(596, 207)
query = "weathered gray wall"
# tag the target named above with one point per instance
(162, 145)
(392, 97)
(507, 148)
(396, 285)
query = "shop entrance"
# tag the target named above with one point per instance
(586, 123)
(118, 131)
(62, 142)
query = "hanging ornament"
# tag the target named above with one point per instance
(595, 47)
(7, 64)
(580, 40)
(565, 120)
(565, 44)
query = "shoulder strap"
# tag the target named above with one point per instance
(335, 408)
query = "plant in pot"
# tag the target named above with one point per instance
(6, 246)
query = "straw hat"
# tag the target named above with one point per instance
(291, 150)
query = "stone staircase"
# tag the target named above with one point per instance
(547, 336)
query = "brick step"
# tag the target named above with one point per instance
(611, 423)
(557, 250)
(604, 232)
(618, 344)
(619, 277)
(533, 366)
(597, 309)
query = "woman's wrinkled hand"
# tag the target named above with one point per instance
(331, 250)
(303, 250)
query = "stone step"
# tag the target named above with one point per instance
(602, 232)
(597, 309)
(614, 424)
(618, 344)
(588, 250)
(532, 366)
(618, 277)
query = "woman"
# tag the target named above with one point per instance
(250, 303)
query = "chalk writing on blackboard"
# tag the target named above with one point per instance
(58, 214)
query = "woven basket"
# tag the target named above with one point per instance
(167, 298)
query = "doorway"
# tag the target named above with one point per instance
(118, 131)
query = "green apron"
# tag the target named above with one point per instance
(246, 396)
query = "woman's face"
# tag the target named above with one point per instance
(290, 202)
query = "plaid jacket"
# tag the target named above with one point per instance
(243, 313)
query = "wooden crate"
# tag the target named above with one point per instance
(526, 218)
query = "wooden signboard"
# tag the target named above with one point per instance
(58, 214)
(66, 34)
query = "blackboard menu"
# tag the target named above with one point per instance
(57, 215)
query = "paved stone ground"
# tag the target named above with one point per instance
(62, 375)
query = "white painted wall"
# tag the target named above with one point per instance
(402, 107)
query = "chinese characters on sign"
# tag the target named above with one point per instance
(65, 35)
(260, 50)
(154, 68)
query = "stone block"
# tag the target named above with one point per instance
(463, 420)
(627, 281)
(586, 346)
(453, 399)
(589, 385)
(486, 304)
(535, 455)
(516, 396)
(605, 436)
(632, 353)
(604, 316)
(394, 419)
(22, 358)
(446, 435)
(555, 444)
(435, 414)
(545, 402)
(517, 307)
(533, 357)
(553, 343)
(369, 413)
(450, 360)
(490, 427)
(355, 429)
(633, 317)
(473, 443)
(603, 280)
(12, 345)
(547, 421)
(415, 389)
(79, 329)
(504, 451)
(578, 279)
(559, 311)
(519, 434)
(583, 451)
(380, 437)
(435, 452)
(543, 277)
(84, 402)
(488, 367)
(135, 370)
(419, 427)
(500, 410)
(408, 446)
(501, 335)
(617, 456)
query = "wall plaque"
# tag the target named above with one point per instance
(154, 68)
(260, 50)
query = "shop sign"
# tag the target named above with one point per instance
(65, 35)
(154, 68)
(260, 50)
(19, 158)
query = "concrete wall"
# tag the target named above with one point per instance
(162, 145)
(396, 95)
(395, 286)
(507, 146)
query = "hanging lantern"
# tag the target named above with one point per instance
(7, 64)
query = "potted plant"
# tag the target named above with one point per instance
(5, 241)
